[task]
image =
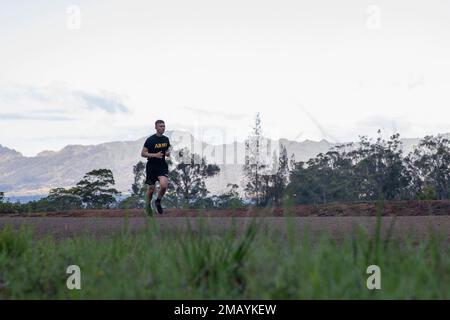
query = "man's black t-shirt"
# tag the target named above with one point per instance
(155, 144)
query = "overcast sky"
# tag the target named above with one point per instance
(86, 72)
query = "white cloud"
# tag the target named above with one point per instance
(30, 100)
(35, 118)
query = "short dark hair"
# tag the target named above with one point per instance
(158, 122)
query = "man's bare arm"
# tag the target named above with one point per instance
(146, 154)
(167, 153)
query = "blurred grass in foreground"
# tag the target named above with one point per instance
(245, 262)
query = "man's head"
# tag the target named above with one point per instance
(160, 126)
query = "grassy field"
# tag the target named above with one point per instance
(205, 264)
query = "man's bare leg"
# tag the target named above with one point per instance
(163, 183)
(148, 199)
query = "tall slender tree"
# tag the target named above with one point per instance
(254, 166)
(281, 177)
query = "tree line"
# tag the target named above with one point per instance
(366, 170)
(96, 190)
(372, 170)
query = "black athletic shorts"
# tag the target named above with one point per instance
(153, 172)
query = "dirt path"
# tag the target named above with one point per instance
(63, 227)
(391, 208)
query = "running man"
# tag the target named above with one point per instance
(156, 149)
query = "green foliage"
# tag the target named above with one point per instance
(59, 199)
(202, 262)
(138, 187)
(14, 243)
(9, 207)
(264, 185)
(431, 161)
(274, 185)
(427, 193)
(2, 197)
(187, 178)
(209, 263)
(95, 189)
(131, 202)
(229, 199)
(64, 199)
(326, 178)
(379, 168)
(373, 170)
